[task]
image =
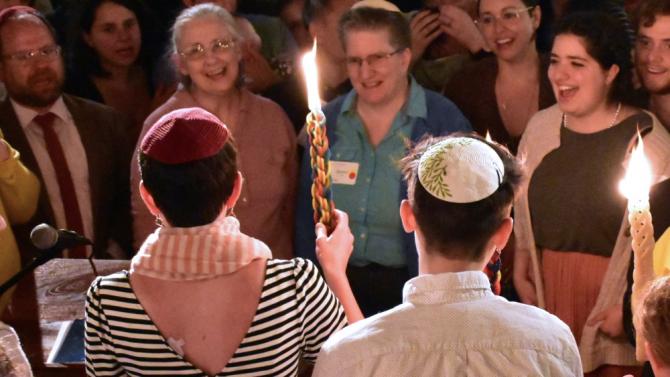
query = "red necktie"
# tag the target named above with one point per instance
(67, 193)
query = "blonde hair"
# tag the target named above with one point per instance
(655, 319)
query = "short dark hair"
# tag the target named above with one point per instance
(83, 58)
(193, 193)
(648, 10)
(368, 18)
(462, 228)
(607, 40)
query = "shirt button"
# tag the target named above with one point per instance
(368, 180)
(362, 236)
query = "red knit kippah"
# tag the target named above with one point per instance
(185, 135)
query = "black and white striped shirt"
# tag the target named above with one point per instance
(297, 312)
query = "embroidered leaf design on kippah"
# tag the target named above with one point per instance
(436, 169)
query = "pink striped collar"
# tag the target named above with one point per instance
(197, 253)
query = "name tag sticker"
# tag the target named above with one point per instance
(343, 172)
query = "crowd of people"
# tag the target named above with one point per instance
(472, 144)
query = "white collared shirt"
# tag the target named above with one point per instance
(451, 324)
(75, 155)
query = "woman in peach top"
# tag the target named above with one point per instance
(207, 54)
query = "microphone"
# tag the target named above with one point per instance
(52, 241)
(44, 237)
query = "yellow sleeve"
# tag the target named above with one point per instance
(19, 188)
(662, 255)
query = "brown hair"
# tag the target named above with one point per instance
(655, 319)
(368, 18)
(460, 227)
(648, 10)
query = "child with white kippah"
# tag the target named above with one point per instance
(460, 194)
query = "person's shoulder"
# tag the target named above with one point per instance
(534, 324)
(336, 102)
(114, 282)
(263, 106)
(363, 338)
(295, 266)
(542, 122)
(87, 104)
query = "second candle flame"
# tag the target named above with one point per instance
(637, 181)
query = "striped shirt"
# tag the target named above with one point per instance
(297, 312)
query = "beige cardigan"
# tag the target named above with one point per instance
(541, 137)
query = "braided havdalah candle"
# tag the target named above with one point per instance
(322, 200)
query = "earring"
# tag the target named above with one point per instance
(231, 212)
(158, 221)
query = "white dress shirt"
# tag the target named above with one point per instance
(451, 324)
(75, 155)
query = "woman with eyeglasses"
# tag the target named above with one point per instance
(573, 246)
(112, 59)
(369, 129)
(510, 86)
(207, 54)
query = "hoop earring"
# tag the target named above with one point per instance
(158, 221)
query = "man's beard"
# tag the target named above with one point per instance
(30, 97)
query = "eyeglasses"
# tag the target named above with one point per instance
(507, 17)
(373, 60)
(46, 53)
(198, 51)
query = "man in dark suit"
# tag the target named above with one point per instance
(78, 150)
(76, 147)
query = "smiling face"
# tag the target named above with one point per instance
(37, 82)
(115, 35)
(580, 84)
(377, 70)
(652, 55)
(511, 32)
(216, 72)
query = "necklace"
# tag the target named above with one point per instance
(616, 116)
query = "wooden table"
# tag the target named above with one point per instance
(56, 292)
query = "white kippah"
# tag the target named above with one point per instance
(461, 170)
(381, 4)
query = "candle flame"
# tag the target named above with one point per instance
(312, 80)
(637, 181)
(488, 136)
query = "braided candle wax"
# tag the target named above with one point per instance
(322, 201)
(635, 187)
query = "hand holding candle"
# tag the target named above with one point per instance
(635, 186)
(322, 201)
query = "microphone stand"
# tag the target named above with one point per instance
(42, 258)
